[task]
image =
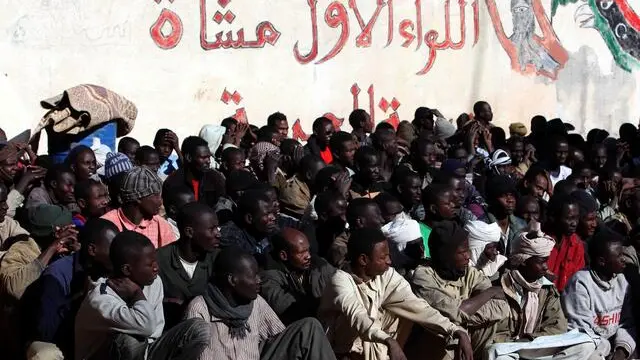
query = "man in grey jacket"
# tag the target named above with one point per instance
(597, 301)
(122, 317)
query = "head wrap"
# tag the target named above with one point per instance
(445, 238)
(115, 164)
(139, 183)
(213, 134)
(401, 231)
(499, 158)
(43, 219)
(259, 151)
(531, 244)
(481, 234)
(518, 129)
(444, 129)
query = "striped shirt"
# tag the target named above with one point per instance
(157, 229)
(263, 322)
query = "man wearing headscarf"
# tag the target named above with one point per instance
(264, 160)
(213, 135)
(535, 309)
(458, 291)
(140, 196)
(405, 242)
(483, 244)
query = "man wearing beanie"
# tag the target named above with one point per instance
(501, 198)
(115, 164)
(140, 196)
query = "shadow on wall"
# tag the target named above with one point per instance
(591, 98)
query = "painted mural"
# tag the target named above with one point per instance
(187, 63)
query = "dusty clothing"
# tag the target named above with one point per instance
(601, 308)
(447, 296)
(295, 196)
(338, 250)
(359, 316)
(265, 328)
(19, 268)
(551, 320)
(292, 298)
(9, 228)
(14, 201)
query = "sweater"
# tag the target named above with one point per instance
(600, 308)
(103, 312)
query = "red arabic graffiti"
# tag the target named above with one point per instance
(336, 16)
(172, 39)
(265, 33)
(236, 98)
(384, 105)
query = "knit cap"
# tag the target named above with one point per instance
(115, 164)
(139, 183)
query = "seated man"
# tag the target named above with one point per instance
(241, 323)
(92, 198)
(173, 201)
(361, 213)
(49, 305)
(298, 192)
(56, 189)
(501, 197)
(238, 181)
(121, 318)
(405, 243)
(331, 208)
(598, 301)
(187, 264)
(368, 181)
(141, 201)
(294, 283)
(460, 292)
(368, 310)
(534, 309)
(254, 222)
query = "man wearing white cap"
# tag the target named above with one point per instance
(483, 244)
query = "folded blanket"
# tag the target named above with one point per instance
(84, 107)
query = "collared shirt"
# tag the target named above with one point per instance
(49, 305)
(176, 282)
(359, 316)
(263, 322)
(169, 166)
(157, 229)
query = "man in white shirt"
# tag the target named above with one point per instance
(368, 310)
(122, 317)
(557, 160)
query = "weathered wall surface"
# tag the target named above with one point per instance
(186, 63)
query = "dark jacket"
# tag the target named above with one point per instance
(516, 227)
(312, 146)
(177, 284)
(291, 299)
(211, 186)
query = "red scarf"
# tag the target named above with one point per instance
(566, 260)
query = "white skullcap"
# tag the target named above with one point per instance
(481, 234)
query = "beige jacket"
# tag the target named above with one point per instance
(9, 228)
(446, 296)
(359, 316)
(19, 268)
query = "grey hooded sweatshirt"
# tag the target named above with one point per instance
(602, 309)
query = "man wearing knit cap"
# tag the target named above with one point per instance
(460, 292)
(140, 195)
(534, 309)
(115, 164)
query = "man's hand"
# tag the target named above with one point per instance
(395, 350)
(66, 238)
(31, 175)
(172, 139)
(343, 183)
(241, 130)
(464, 350)
(126, 289)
